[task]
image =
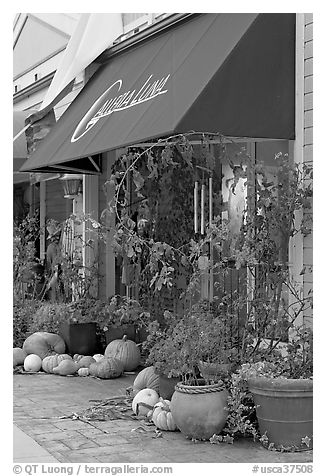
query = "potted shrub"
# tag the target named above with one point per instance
(79, 331)
(121, 316)
(197, 403)
(272, 398)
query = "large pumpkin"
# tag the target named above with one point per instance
(147, 378)
(66, 367)
(106, 368)
(162, 416)
(52, 361)
(32, 363)
(124, 350)
(44, 344)
(144, 401)
(19, 356)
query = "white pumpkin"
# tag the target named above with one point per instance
(98, 357)
(32, 363)
(144, 401)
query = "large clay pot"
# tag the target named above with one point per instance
(284, 410)
(199, 411)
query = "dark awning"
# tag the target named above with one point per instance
(227, 73)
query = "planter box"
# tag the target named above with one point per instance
(80, 338)
(284, 410)
(118, 332)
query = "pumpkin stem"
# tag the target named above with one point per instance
(125, 337)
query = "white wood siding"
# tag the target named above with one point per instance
(308, 142)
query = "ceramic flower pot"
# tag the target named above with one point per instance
(284, 411)
(199, 411)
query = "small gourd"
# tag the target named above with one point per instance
(162, 416)
(85, 361)
(126, 351)
(98, 357)
(83, 371)
(66, 367)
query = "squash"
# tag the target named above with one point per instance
(52, 361)
(19, 356)
(106, 368)
(78, 357)
(83, 372)
(85, 361)
(66, 367)
(162, 416)
(124, 350)
(32, 363)
(147, 378)
(144, 401)
(98, 357)
(44, 344)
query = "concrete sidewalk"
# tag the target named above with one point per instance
(41, 400)
(26, 450)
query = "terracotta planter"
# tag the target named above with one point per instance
(118, 332)
(80, 338)
(284, 410)
(199, 411)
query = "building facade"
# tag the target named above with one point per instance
(153, 48)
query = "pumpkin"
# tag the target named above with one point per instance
(144, 401)
(147, 378)
(32, 363)
(106, 368)
(162, 416)
(19, 356)
(66, 367)
(52, 361)
(78, 357)
(44, 344)
(83, 372)
(98, 357)
(85, 361)
(124, 350)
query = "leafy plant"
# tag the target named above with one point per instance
(23, 315)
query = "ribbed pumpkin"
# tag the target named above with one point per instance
(52, 361)
(126, 351)
(147, 378)
(162, 416)
(106, 368)
(44, 344)
(19, 356)
(85, 361)
(66, 367)
(83, 372)
(32, 363)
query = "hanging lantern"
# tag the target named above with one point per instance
(72, 185)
